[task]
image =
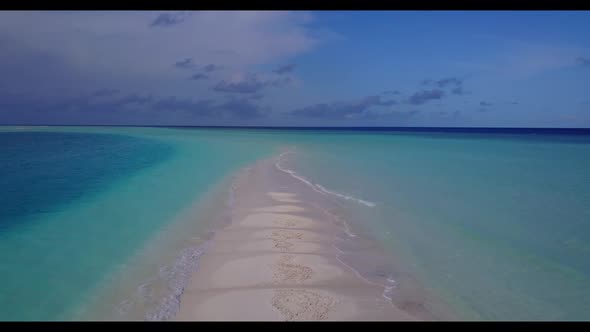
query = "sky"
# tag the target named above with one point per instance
(269, 68)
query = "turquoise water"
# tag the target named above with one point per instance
(78, 203)
(495, 225)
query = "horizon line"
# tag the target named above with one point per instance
(392, 128)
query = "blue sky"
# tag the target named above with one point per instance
(328, 68)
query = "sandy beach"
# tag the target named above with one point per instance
(276, 262)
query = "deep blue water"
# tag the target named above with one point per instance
(471, 130)
(43, 171)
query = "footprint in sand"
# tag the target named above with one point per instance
(282, 244)
(302, 304)
(280, 237)
(285, 271)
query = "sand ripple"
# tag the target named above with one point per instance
(282, 244)
(282, 234)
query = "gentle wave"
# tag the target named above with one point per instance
(388, 286)
(319, 188)
(346, 197)
(176, 275)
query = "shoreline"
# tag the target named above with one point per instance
(153, 278)
(277, 261)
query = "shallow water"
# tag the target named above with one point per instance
(497, 225)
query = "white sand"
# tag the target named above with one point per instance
(276, 262)
(281, 208)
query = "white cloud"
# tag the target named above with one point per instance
(122, 46)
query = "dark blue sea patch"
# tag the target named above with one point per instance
(40, 171)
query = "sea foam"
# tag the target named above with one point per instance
(317, 187)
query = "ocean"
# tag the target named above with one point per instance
(79, 205)
(495, 224)
(107, 222)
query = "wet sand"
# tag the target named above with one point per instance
(276, 262)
